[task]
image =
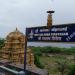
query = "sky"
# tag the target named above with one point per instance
(30, 13)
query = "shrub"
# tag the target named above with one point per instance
(37, 51)
(72, 70)
(37, 62)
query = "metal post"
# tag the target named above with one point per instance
(25, 51)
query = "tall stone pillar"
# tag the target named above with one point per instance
(49, 19)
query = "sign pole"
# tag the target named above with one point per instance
(25, 52)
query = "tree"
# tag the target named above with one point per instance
(1, 42)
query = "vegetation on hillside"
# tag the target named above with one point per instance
(1, 42)
(40, 50)
(1, 45)
(72, 70)
(37, 62)
(58, 61)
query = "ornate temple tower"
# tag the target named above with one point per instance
(14, 48)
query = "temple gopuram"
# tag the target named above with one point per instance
(14, 49)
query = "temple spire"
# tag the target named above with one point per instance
(16, 29)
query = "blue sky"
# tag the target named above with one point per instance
(27, 13)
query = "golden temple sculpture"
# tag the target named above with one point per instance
(14, 48)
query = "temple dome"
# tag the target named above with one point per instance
(15, 34)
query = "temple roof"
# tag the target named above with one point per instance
(15, 34)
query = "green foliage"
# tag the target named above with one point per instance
(37, 51)
(1, 43)
(59, 61)
(72, 50)
(37, 62)
(40, 50)
(69, 50)
(62, 66)
(72, 71)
